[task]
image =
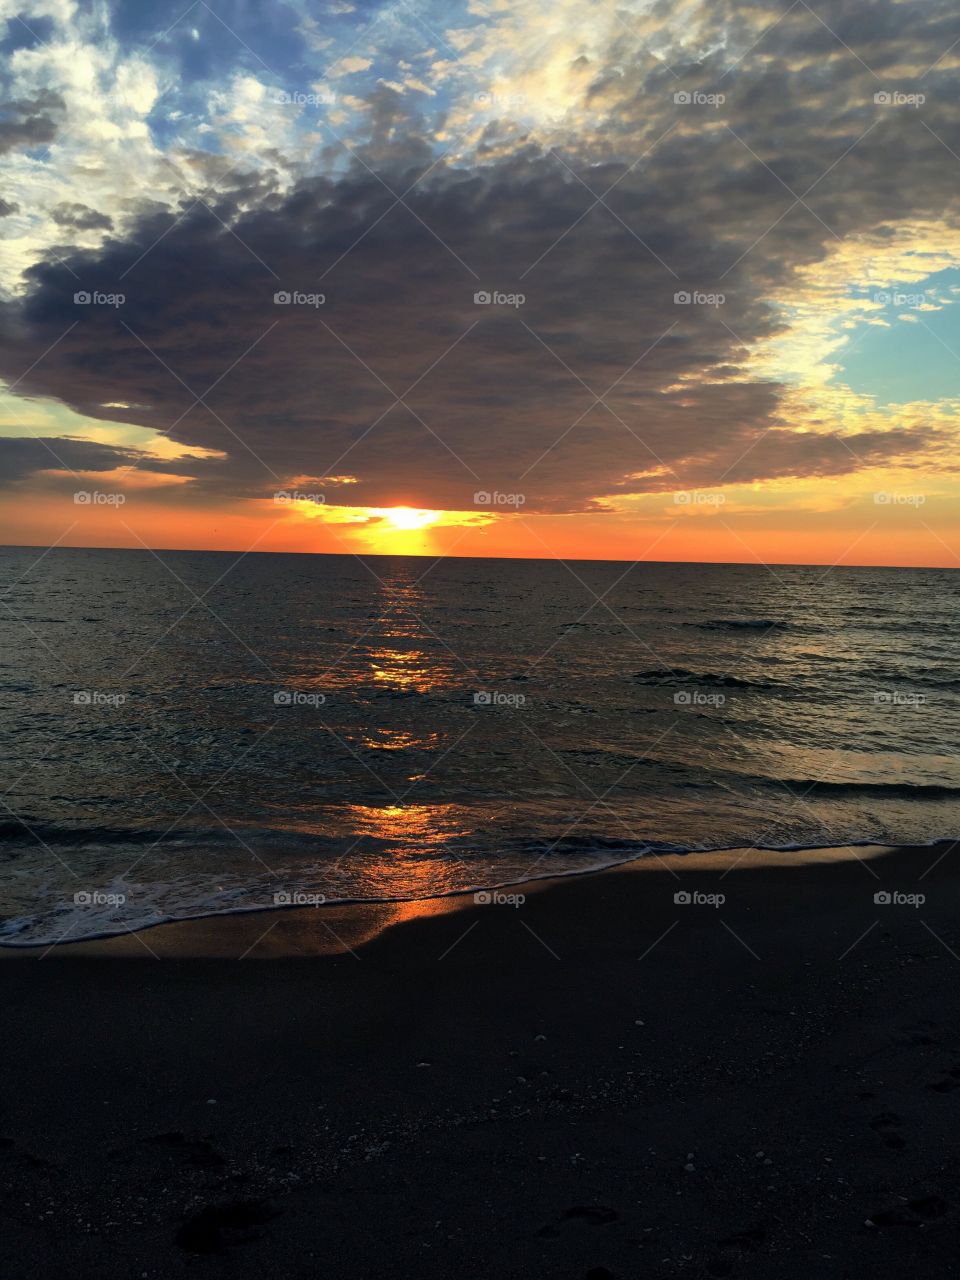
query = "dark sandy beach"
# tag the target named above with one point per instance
(599, 1082)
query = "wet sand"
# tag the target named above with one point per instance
(600, 1081)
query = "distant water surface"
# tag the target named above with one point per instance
(206, 733)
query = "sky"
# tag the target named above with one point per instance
(595, 280)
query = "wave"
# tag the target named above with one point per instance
(29, 830)
(943, 679)
(169, 837)
(671, 675)
(904, 790)
(739, 624)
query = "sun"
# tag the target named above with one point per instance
(410, 517)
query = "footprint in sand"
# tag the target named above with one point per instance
(884, 1124)
(913, 1213)
(11, 1151)
(195, 1151)
(950, 1081)
(595, 1215)
(912, 1037)
(217, 1226)
(740, 1242)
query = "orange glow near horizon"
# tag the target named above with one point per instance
(809, 524)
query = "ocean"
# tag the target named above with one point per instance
(192, 733)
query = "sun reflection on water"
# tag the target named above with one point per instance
(410, 836)
(409, 825)
(403, 669)
(398, 740)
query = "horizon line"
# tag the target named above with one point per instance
(428, 555)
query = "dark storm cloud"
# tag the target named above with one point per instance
(29, 122)
(80, 217)
(779, 453)
(599, 375)
(21, 456)
(7, 207)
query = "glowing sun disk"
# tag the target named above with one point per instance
(409, 517)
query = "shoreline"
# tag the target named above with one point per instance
(364, 919)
